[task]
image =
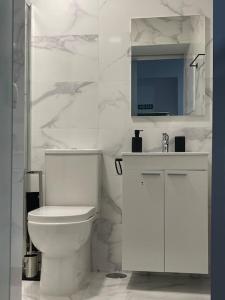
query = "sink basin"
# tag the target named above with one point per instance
(165, 153)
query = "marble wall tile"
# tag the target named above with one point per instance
(114, 57)
(129, 9)
(49, 17)
(160, 31)
(64, 105)
(108, 9)
(114, 105)
(66, 138)
(64, 58)
(106, 246)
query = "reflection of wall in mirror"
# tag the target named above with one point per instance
(195, 77)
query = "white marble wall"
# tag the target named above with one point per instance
(64, 75)
(81, 94)
(167, 30)
(195, 77)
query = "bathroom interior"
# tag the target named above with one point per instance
(114, 103)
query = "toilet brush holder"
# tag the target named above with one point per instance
(30, 265)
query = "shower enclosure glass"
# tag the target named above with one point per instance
(6, 96)
(12, 150)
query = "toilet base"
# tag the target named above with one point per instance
(59, 276)
(62, 276)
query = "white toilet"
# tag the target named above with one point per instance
(63, 226)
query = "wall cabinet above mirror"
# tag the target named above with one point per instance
(168, 66)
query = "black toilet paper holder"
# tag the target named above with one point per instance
(118, 166)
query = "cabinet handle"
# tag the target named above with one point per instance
(151, 173)
(177, 174)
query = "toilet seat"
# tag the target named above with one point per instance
(61, 214)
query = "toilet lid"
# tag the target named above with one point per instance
(61, 214)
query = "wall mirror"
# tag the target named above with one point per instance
(168, 66)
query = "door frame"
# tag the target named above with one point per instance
(218, 165)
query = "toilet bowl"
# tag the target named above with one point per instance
(61, 229)
(59, 232)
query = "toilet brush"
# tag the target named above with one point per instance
(30, 247)
(30, 263)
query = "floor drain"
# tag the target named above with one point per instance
(116, 275)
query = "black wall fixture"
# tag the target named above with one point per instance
(194, 63)
(218, 179)
(118, 166)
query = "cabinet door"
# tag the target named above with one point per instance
(143, 221)
(186, 222)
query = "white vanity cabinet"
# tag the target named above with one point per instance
(165, 212)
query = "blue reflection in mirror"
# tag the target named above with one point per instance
(158, 87)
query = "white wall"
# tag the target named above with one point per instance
(81, 94)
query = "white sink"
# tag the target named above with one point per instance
(165, 153)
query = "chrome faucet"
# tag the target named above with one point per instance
(165, 142)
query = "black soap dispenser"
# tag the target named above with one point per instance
(137, 141)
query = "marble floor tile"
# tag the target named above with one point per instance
(137, 286)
